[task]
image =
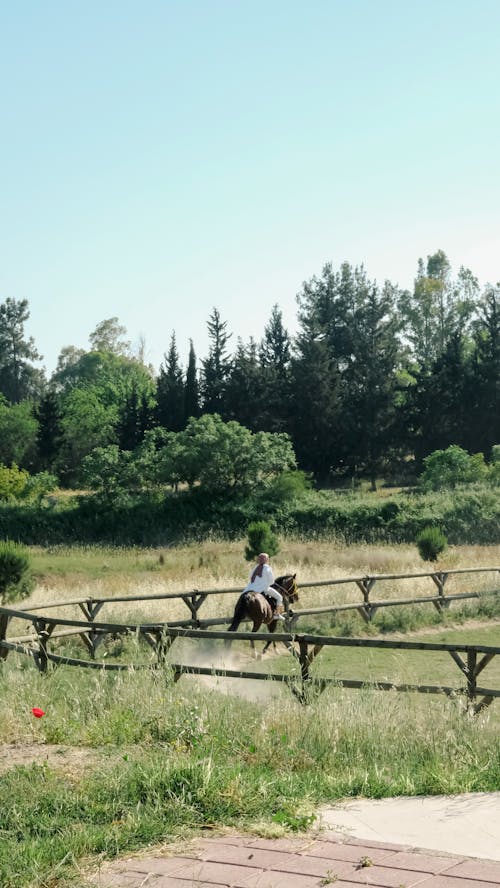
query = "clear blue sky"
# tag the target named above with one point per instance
(162, 158)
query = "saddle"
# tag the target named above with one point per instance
(275, 607)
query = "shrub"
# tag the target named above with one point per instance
(12, 482)
(15, 576)
(260, 539)
(288, 486)
(430, 543)
(450, 467)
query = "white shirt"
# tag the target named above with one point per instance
(262, 583)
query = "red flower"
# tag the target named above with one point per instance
(37, 712)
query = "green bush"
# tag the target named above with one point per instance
(260, 539)
(15, 576)
(12, 482)
(430, 543)
(451, 467)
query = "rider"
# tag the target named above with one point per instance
(261, 579)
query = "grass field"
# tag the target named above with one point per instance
(123, 761)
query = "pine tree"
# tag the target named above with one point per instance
(485, 406)
(275, 362)
(244, 391)
(369, 379)
(18, 378)
(216, 367)
(315, 384)
(135, 417)
(191, 388)
(170, 391)
(49, 434)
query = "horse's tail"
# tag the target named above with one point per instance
(239, 612)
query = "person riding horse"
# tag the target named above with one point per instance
(261, 580)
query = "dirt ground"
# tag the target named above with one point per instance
(67, 759)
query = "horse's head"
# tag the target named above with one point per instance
(287, 585)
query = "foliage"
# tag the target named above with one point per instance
(451, 467)
(216, 367)
(16, 484)
(158, 517)
(109, 471)
(19, 379)
(494, 474)
(107, 337)
(431, 542)
(15, 576)
(12, 482)
(288, 486)
(18, 433)
(260, 539)
(217, 456)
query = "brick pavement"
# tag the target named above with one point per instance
(314, 861)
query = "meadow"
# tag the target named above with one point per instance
(123, 761)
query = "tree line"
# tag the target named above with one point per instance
(375, 380)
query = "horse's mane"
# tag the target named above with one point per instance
(282, 578)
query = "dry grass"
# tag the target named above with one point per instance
(65, 574)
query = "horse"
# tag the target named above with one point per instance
(256, 607)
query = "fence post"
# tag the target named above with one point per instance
(4, 622)
(366, 610)
(41, 659)
(194, 601)
(91, 638)
(440, 578)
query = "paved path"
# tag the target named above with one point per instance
(338, 856)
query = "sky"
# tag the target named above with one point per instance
(162, 159)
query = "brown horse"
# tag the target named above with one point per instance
(256, 607)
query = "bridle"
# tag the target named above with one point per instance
(291, 591)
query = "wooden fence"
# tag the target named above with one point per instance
(470, 659)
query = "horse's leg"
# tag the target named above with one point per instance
(271, 628)
(238, 616)
(257, 623)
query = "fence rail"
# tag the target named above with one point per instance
(470, 659)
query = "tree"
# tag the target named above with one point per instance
(224, 457)
(216, 367)
(18, 434)
(170, 391)
(244, 392)
(86, 423)
(451, 467)
(344, 376)
(107, 337)
(316, 388)
(438, 404)
(109, 471)
(369, 378)
(49, 433)
(275, 375)
(191, 388)
(134, 417)
(18, 378)
(69, 356)
(484, 402)
(437, 308)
